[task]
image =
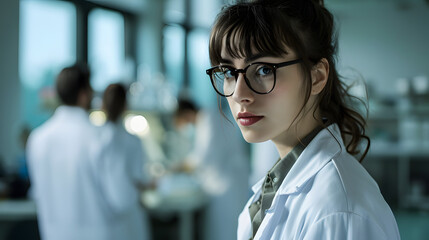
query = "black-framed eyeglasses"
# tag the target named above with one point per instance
(260, 77)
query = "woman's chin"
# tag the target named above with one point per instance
(254, 138)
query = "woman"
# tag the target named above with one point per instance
(274, 62)
(121, 171)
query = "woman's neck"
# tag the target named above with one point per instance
(286, 141)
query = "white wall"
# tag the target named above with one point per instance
(383, 40)
(9, 80)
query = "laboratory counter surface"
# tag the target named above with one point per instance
(167, 200)
(16, 210)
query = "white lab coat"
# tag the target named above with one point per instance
(61, 155)
(326, 195)
(224, 172)
(120, 168)
(67, 181)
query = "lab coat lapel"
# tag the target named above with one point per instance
(321, 150)
(271, 219)
(245, 230)
(325, 146)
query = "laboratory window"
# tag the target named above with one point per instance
(47, 44)
(200, 86)
(106, 48)
(174, 55)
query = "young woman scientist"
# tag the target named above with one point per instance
(274, 62)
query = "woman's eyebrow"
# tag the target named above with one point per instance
(223, 60)
(254, 57)
(248, 59)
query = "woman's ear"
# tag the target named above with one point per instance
(319, 76)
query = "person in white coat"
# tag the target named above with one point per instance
(224, 172)
(121, 176)
(61, 157)
(220, 161)
(274, 62)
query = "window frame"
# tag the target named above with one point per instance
(83, 8)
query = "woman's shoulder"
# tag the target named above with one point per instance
(344, 191)
(344, 186)
(344, 180)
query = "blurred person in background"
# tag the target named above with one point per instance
(121, 175)
(62, 154)
(182, 137)
(274, 61)
(220, 161)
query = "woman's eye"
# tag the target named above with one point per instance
(264, 70)
(228, 73)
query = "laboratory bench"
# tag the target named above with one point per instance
(18, 220)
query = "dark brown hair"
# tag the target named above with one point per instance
(114, 101)
(71, 81)
(184, 106)
(305, 26)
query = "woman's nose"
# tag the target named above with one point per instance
(242, 93)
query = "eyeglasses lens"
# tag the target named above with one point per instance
(260, 78)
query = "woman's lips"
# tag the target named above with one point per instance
(247, 119)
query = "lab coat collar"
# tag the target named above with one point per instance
(324, 147)
(65, 111)
(110, 129)
(258, 185)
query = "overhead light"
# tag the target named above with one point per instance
(98, 118)
(136, 124)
